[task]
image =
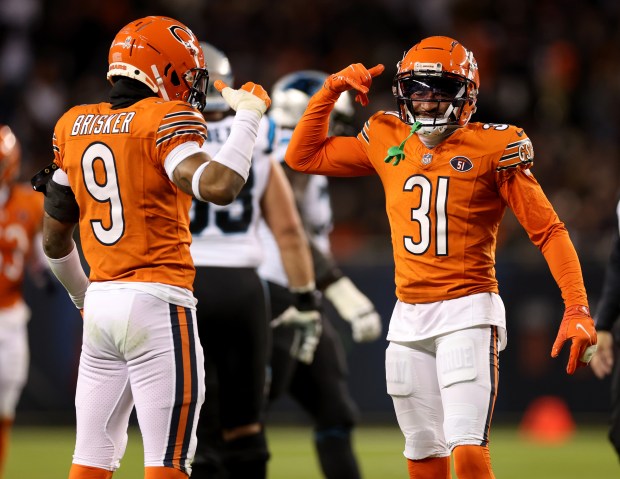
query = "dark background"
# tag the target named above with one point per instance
(550, 67)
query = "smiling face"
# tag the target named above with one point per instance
(431, 97)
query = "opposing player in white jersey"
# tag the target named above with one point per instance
(320, 387)
(234, 328)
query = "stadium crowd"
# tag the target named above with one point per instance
(550, 67)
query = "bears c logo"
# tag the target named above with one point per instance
(461, 163)
(186, 38)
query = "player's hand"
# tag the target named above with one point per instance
(354, 77)
(603, 360)
(578, 326)
(353, 306)
(305, 317)
(251, 96)
(309, 336)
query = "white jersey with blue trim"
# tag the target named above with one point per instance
(316, 214)
(227, 236)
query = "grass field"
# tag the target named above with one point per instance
(45, 453)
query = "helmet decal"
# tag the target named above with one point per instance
(185, 38)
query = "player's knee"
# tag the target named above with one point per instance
(336, 417)
(246, 449)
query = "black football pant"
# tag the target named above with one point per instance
(319, 388)
(235, 335)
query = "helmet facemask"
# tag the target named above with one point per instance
(198, 81)
(438, 100)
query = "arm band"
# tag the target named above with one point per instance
(236, 153)
(196, 181)
(69, 272)
(178, 154)
(60, 202)
(303, 289)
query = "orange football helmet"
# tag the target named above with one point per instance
(441, 70)
(10, 156)
(163, 54)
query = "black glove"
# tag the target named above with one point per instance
(305, 316)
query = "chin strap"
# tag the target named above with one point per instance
(397, 153)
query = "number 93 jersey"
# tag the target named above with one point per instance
(227, 236)
(134, 221)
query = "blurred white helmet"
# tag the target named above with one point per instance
(291, 93)
(219, 69)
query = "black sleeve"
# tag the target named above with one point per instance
(325, 270)
(609, 306)
(60, 203)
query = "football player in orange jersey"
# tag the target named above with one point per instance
(126, 172)
(447, 184)
(21, 215)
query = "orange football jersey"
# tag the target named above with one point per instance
(20, 220)
(444, 204)
(134, 222)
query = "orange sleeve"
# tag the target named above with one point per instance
(312, 151)
(530, 205)
(181, 124)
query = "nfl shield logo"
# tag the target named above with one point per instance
(427, 158)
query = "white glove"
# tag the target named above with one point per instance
(353, 306)
(250, 96)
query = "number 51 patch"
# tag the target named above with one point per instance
(461, 163)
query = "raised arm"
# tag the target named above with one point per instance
(310, 149)
(220, 179)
